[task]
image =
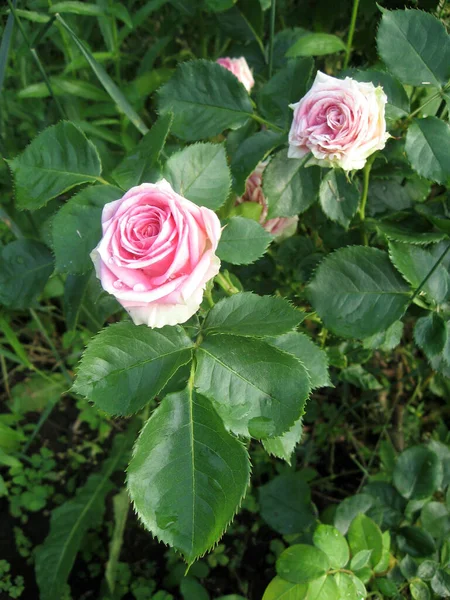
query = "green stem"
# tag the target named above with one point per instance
(36, 60)
(226, 285)
(273, 10)
(259, 119)
(365, 193)
(438, 94)
(423, 282)
(351, 32)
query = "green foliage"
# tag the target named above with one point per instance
(427, 143)
(316, 44)
(338, 197)
(185, 444)
(243, 241)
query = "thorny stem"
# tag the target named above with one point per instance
(351, 31)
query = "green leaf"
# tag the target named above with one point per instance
(333, 543)
(435, 519)
(311, 356)
(141, 164)
(77, 8)
(339, 198)
(121, 506)
(192, 589)
(289, 187)
(70, 522)
(348, 587)
(364, 534)
(283, 446)
(323, 588)
(243, 241)
(398, 101)
(116, 95)
(57, 160)
(77, 227)
(62, 86)
(418, 473)
(360, 560)
(252, 315)
(428, 148)
(357, 293)
(386, 340)
(419, 590)
(292, 493)
(125, 366)
(280, 589)
(200, 173)
(249, 154)
(25, 266)
(410, 232)
(415, 541)
(430, 334)
(188, 475)
(415, 264)
(316, 44)
(36, 393)
(205, 99)
(415, 47)
(257, 389)
(284, 88)
(350, 508)
(301, 563)
(441, 583)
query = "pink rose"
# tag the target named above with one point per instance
(281, 227)
(239, 68)
(340, 121)
(157, 253)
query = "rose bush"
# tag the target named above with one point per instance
(341, 121)
(157, 253)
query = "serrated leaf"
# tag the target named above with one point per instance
(301, 563)
(357, 293)
(316, 44)
(251, 315)
(70, 522)
(77, 228)
(333, 543)
(283, 445)
(293, 493)
(188, 475)
(200, 173)
(25, 266)
(386, 340)
(311, 356)
(364, 534)
(415, 263)
(125, 366)
(422, 43)
(428, 148)
(205, 99)
(339, 198)
(418, 473)
(257, 389)
(243, 241)
(250, 153)
(430, 334)
(141, 164)
(289, 187)
(410, 232)
(284, 88)
(58, 159)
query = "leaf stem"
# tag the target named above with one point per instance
(430, 273)
(273, 10)
(259, 119)
(365, 193)
(225, 284)
(351, 32)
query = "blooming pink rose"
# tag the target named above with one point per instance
(157, 253)
(280, 227)
(239, 68)
(340, 121)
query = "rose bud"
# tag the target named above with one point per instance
(280, 227)
(157, 253)
(239, 68)
(341, 121)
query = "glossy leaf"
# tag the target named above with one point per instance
(339, 198)
(188, 475)
(58, 159)
(422, 43)
(418, 473)
(289, 187)
(125, 366)
(316, 44)
(301, 563)
(257, 389)
(200, 173)
(141, 165)
(25, 266)
(364, 534)
(280, 589)
(252, 315)
(77, 228)
(428, 148)
(243, 241)
(205, 99)
(333, 543)
(357, 293)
